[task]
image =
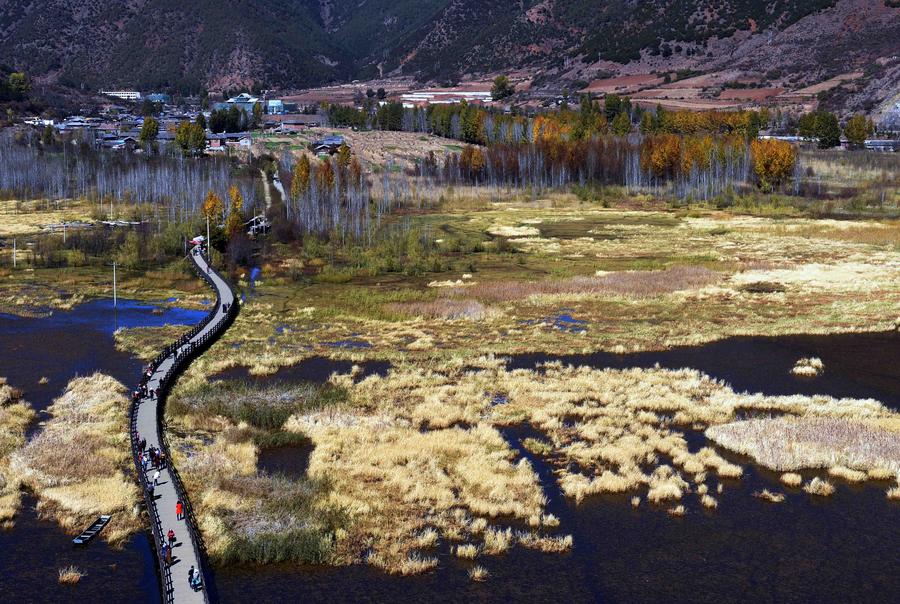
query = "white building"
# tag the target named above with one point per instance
(125, 95)
(444, 97)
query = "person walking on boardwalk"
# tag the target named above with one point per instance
(142, 444)
(191, 572)
(156, 478)
(179, 510)
(171, 537)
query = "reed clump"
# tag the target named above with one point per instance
(792, 479)
(15, 417)
(70, 575)
(478, 573)
(79, 464)
(247, 515)
(769, 496)
(808, 367)
(467, 551)
(497, 541)
(820, 487)
(850, 440)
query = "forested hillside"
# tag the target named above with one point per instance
(294, 43)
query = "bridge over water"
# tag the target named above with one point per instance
(148, 422)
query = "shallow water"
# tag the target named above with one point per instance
(314, 369)
(807, 549)
(61, 347)
(32, 553)
(856, 365)
(76, 342)
(291, 461)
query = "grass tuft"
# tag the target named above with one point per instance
(768, 495)
(478, 573)
(70, 575)
(820, 487)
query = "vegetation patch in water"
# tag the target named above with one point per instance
(79, 465)
(15, 417)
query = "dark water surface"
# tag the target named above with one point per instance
(838, 549)
(76, 342)
(61, 347)
(843, 548)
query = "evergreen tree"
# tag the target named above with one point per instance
(858, 129)
(502, 88)
(828, 130)
(622, 124)
(149, 132)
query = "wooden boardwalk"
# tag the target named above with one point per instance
(147, 423)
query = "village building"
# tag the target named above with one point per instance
(125, 95)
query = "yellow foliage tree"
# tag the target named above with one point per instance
(213, 206)
(235, 222)
(773, 162)
(300, 180)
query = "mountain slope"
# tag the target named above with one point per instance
(295, 43)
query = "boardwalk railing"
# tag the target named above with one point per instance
(187, 347)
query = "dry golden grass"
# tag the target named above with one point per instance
(70, 575)
(22, 218)
(427, 538)
(792, 479)
(15, 417)
(389, 476)
(848, 474)
(820, 487)
(497, 541)
(478, 573)
(894, 493)
(146, 342)
(79, 464)
(626, 283)
(881, 474)
(808, 367)
(615, 424)
(545, 543)
(467, 551)
(769, 496)
(676, 511)
(840, 440)
(709, 501)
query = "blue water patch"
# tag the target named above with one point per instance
(100, 315)
(283, 329)
(348, 344)
(498, 399)
(171, 300)
(563, 321)
(205, 301)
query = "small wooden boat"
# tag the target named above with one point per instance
(92, 531)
